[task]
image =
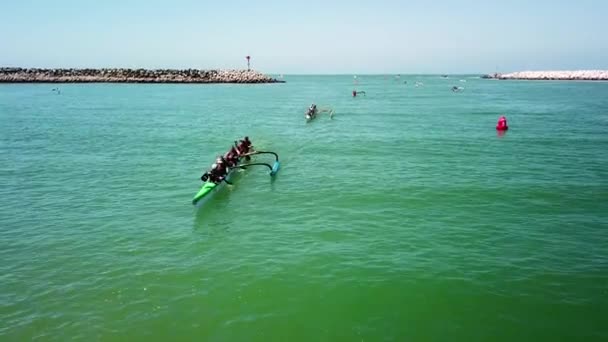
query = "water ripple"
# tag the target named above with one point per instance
(404, 217)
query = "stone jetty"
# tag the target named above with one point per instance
(35, 75)
(577, 75)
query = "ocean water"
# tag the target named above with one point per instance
(406, 217)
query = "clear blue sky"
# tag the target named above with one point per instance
(309, 36)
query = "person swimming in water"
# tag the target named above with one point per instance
(355, 93)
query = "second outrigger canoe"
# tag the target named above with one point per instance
(209, 187)
(311, 116)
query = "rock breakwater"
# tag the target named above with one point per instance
(577, 75)
(35, 75)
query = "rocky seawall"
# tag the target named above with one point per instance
(577, 75)
(23, 75)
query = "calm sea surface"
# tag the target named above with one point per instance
(406, 217)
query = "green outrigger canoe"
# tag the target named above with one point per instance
(209, 188)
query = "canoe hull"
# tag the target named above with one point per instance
(209, 188)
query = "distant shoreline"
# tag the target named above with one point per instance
(172, 76)
(576, 75)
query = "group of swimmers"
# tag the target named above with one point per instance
(219, 170)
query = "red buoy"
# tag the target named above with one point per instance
(502, 124)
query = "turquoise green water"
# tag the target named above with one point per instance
(406, 217)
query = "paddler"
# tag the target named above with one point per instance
(244, 146)
(248, 144)
(212, 175)
(218, 170)
(311, 112)
(232, 157)
(312, 109)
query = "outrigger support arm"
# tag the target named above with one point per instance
(276, 156)
(273, 169)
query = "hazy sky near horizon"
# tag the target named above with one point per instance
(310, 36)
